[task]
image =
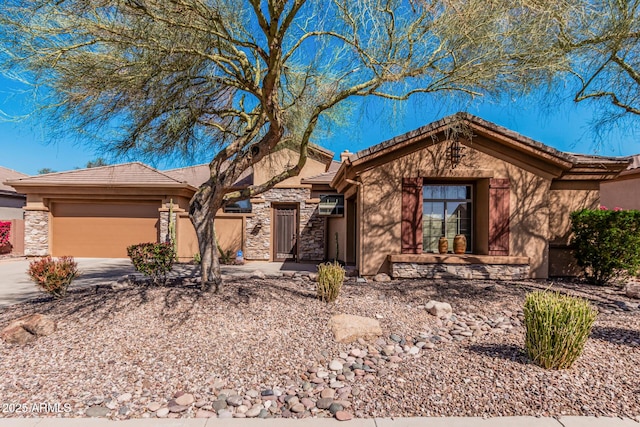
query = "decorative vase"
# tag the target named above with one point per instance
(443, 245)
(459, 244)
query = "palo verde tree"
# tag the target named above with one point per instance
(241, 78)
(600, 43)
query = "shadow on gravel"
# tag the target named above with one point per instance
(616, 335)
(502, 351)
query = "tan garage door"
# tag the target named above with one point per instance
(102, 229)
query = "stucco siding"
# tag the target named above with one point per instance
(381, 212)
(621, 193)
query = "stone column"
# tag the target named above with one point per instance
(258, 232)
(36, 232)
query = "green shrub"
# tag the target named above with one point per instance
(606, 243)
(557, 327)
(197, 258)
(330, 279)
(154, 260)
(53, 276)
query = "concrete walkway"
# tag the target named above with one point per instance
(16, 286)
(327, 422)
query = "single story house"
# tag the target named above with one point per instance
(624, 191)
(382, 209)
(11, 210)
(11, 202)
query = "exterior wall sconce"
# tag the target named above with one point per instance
(455, 153)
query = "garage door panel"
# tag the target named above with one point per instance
(102, 230)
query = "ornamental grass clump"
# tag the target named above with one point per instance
(330, 279)
(154, 260)
(557, 327)
(53, 276)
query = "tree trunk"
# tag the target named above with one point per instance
(202, 211)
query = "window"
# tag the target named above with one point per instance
(446, 212)
(331, 204)
(241, 206)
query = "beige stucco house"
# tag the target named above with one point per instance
(624, 191)
(98, 212)
(509, 195)
(382, 209)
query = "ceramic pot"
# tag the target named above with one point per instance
(459, 244)
(443, 245)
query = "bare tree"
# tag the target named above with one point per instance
(243, 78)
(601, 39)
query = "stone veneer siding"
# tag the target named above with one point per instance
(407, 270)
(36, 233)
(164, 224)
(311, 225)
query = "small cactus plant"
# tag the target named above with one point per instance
(557, 327)
(330, 279)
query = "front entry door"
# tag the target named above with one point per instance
(285, 232)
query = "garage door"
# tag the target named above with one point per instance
(102, 229)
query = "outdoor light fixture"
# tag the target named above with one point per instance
(455, 153)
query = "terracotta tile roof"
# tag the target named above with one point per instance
(323, 178)
(134, 173)
(198, 174)
(7, 174)
(479, 124)
(635, 162)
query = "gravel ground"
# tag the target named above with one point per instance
(262, 348)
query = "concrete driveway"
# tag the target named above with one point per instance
(15, 285)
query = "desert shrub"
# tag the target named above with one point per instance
(226, 257)
(53, 276)
(330, 279)
(556, 328)
(154, 260)
(606, 243)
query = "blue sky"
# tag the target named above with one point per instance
(27, 148)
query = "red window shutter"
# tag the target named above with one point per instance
(499, 194)
(411, 215)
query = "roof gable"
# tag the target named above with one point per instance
(499, 140)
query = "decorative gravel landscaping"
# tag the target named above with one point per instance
(262, 348)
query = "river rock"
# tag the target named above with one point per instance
(439, 309)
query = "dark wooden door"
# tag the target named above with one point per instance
(286, 232)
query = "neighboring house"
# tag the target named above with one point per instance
(11, 209)
(624, 191)
(382, 209)
(11, 202)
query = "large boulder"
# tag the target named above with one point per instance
(632, 290)
(347, 328)
(439, 309)
(28, 328)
